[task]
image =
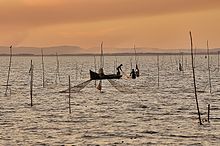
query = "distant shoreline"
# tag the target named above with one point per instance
(114, 54)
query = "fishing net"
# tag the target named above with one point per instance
(120, 87)
(77, 88)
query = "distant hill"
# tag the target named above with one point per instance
(76, 50)
(47, 50)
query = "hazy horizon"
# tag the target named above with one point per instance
(67, 49)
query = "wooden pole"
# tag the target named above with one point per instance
(158, 70)
(218, 60)
(69, 95)
(43, 77)
(171, 61)
(76, 70)
(176, 60)
(208, 59)
(95, 67)
(116, 61)
(57, 70)
(182, 61)
(210, 83)
(186, 66)
(135, 53)
(102, 57)
(195, 54)
(131, 63)
(9, 71)
(194, 78)
(100, 86)
(179, 62)
(31, 82)
(81, 71)
(114, 66)
(208, 112)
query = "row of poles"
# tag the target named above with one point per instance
(194, 78)
(31, 82)
(31, 72)
(158, 79)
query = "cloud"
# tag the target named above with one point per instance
(118, 23)
(28, 13)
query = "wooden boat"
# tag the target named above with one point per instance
(96, 76)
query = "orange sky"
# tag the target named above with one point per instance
(119, 23)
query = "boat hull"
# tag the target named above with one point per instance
(96, 76)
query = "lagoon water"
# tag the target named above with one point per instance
(142, 114)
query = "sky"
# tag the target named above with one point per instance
(119, 23)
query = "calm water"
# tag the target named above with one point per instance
(142, 115)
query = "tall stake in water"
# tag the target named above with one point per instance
(81, 71)
(210, 83)
(171, 61)
(76, 70)
(116, 61)
(195, 55)
(158, 70)
(101, 72)
(43, 77)
(131, 63)
(102, 57)
(95, 67)
(194, 78)
(69, 95)
(208, 112)
(31, 82)
(57, 70)
(114, 66)
(218, 60)
(9, 71)
(182, 61)
(135, 53)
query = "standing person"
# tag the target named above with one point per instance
(137, 71)
(101, 72)
(133, 74)
(119, 69)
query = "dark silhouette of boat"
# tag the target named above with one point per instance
(96, 76)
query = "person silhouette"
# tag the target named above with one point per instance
(133, 74)
(137, 71)
(119, 69)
